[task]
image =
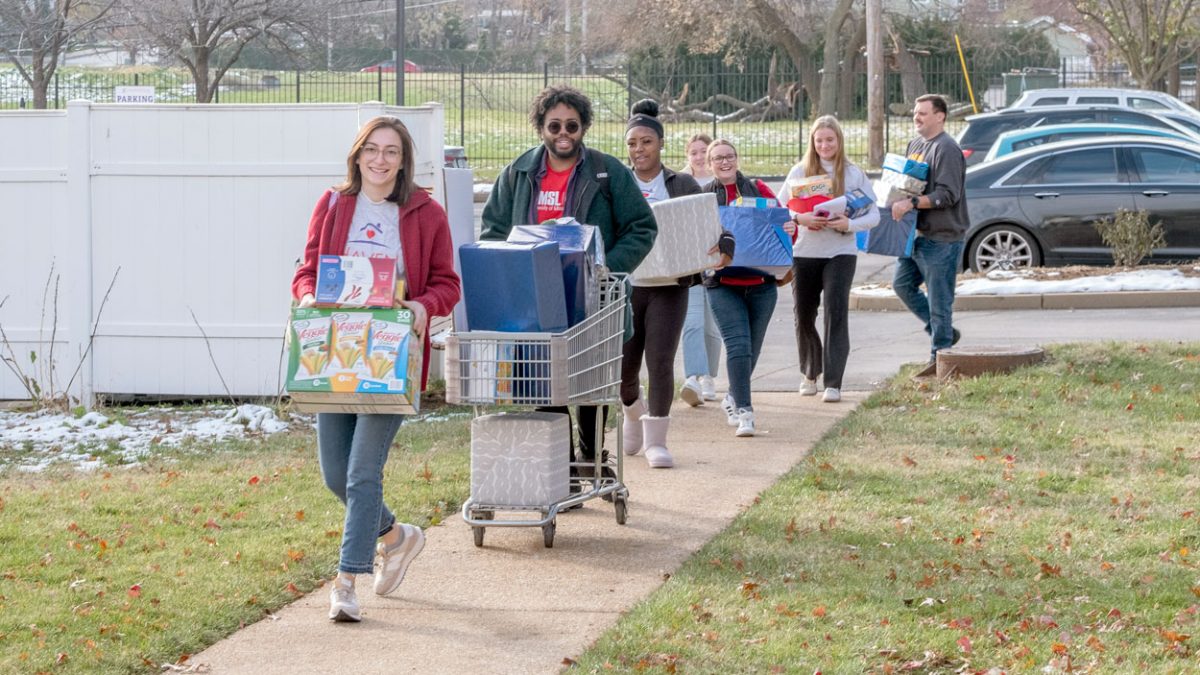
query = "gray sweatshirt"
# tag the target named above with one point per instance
(946, 220)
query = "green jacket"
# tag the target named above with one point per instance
(626, 222)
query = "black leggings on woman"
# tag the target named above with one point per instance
(658, 314)
(833, 276)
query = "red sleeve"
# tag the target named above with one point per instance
(763, 190)
(442, 285)
(305, 279)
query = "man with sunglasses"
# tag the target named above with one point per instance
(563, 178)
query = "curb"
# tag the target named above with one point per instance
(1113, 300)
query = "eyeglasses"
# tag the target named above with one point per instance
(554, 126)
(370, 152)
(722, 159)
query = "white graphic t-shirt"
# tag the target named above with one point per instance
(655, 190)
(375, 231)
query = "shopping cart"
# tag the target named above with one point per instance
(580, 366)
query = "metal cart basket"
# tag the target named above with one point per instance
(579, 366)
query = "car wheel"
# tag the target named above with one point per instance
(1004, 247)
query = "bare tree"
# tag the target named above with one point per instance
(1148, 34)
(208, 36)
(35, 33)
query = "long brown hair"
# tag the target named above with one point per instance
(405, 186)
(812, 161)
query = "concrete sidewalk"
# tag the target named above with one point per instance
(514, 606)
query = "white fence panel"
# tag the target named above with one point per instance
(36, 239)
(204, 210)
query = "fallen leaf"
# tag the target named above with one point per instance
(908, 461)
(964, 643)
(211, 524)
(819, 611)
(300, 515)
(135, 591)
(291, 588)
(254, 480)
(1058, 648)
(567, 661)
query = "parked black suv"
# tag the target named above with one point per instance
(983, 129)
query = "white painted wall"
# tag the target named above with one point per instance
(203, 209)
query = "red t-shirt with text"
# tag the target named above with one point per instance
(553, 196)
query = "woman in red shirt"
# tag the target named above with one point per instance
(377, 212)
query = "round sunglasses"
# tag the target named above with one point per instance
(554, 126)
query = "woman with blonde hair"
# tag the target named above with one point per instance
(824, 258)
(701, 338)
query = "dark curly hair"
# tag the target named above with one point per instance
(560, 94)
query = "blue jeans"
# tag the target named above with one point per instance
(743, 314)
(936, 264)
(353, 449)
(701, 337)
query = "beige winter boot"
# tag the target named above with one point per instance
(655, 430)
(631, 429)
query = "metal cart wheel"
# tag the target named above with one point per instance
(478, 532)
(548, 534)
(620, 507)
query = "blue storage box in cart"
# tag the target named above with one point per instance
(520, 459)
(762, 245)
(906, 166)
(889, 237)
(513, 287)
(579, 248)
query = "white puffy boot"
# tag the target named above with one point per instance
(655, 430)
(631, 429)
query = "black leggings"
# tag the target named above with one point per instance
(658, 314)
(833, 276)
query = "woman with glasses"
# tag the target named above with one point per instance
(658, 307)
(701, 338)
(742, 300)
(378, 211)
(824, 258)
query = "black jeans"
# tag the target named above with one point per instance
(833, 276)
(658, 314)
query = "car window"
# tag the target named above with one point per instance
(983, 132)
(1065, 117)
(1051, 100)
(1103, 100)
(1139, 103)
(1030, 142)
(1186, 124)
(1025, 174)
(1091, 165)
(1166, 166)
(1138, 118)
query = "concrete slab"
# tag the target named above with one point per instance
(1121, 300)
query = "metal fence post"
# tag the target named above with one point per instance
(1062, 72)
(379, 84)
(545, 75)
(462, 104)
(57, 103)
(297, 85)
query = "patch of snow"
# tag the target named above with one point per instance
(1015, 283)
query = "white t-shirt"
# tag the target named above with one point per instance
(375, 231)
(830, 243)
(655, 190)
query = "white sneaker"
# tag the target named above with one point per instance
(708, 388)
(392, 565)
(731, 414)
(745, 425)
(690, 392)
(808, 387)
(831, 395)
(343, 603)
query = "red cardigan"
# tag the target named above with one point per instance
(430, 278)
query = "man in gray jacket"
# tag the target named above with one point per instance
(941, 223)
